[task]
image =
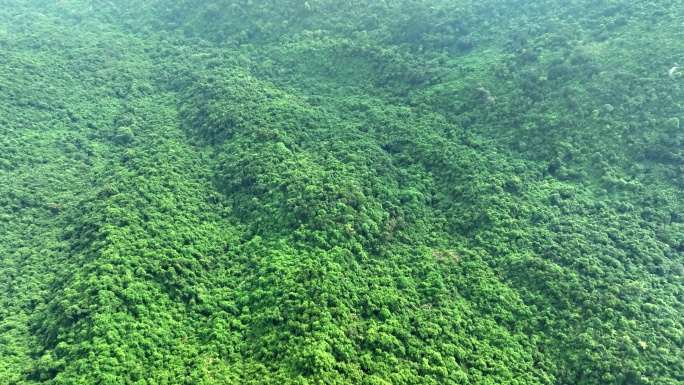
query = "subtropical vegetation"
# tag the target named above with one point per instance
(341, 192)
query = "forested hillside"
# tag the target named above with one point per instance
(341, 192)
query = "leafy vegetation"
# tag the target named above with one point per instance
(324, 192)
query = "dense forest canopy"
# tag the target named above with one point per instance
(341, 192)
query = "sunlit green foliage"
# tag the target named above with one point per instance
(326, 192)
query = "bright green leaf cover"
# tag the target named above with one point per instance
(341, 192)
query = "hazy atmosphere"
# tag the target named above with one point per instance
(378, 192)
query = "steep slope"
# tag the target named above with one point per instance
(324, 192)
(358, 281)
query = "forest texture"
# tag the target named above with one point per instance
(324, 192)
